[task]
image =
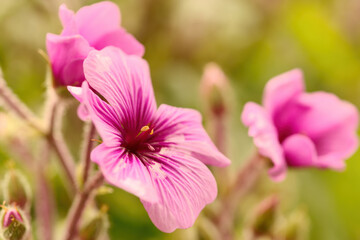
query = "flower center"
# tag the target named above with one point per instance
(138, 142)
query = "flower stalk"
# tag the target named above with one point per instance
(79, 205)
(90, 132)
(57, 143)
(245, 181)
(214, 90)
(44, 202)
(53, 137)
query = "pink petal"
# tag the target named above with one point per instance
(82, 110)
(325, 112)
(66, 56)
(336, 146)
(126, 171)
(124, 81)
(184, 185)
(98, 19)
(265, 138)
(104, 117)
(332, 124)
(77, 93)
(67, 18)
(333, 161)
(281, 90)
(299, 151)
(73, 72)
(182, 128)
(121, 39)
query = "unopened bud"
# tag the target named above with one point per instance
(16, 189)
(14, 224)
(96, 227)
(265, 217)
(214, 86)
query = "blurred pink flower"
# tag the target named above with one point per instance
(92, 27)
(157, 154)
(298, 129)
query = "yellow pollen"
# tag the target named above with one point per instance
(144, 128)
(152, 132)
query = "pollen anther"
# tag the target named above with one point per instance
(145, 128)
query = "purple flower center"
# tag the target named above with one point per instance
(139, 142)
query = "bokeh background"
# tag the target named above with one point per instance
(252, 41)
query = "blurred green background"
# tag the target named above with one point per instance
(252, 40)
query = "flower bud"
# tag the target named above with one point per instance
(95, 227)
(213, 88)
(265, 217)
(16, 189)
(14, 224)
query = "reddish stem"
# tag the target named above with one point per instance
(90, 132)
(245, 181)
(78, 206)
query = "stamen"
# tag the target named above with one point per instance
(96, 140)
(145, 128)
(152, 132)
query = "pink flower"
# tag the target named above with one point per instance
(157, 154)
(92, 27)
(298, 129)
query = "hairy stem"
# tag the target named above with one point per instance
(245, 180)
(219, 126)
(57, 142)
(90, 132)
(79, 204)
(220, 132)
(44, 202)
(55, 139)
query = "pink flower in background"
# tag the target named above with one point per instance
(298, 129)
(92, 27)
(157, 154)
